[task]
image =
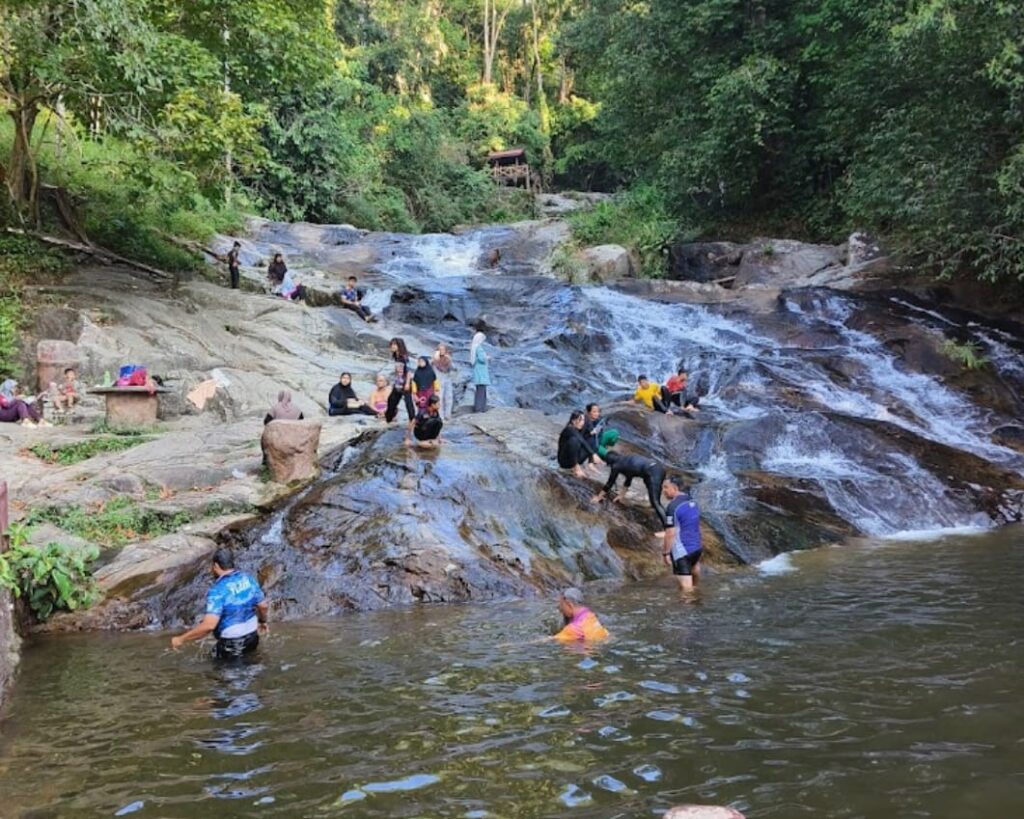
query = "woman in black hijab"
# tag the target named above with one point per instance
(344, 401)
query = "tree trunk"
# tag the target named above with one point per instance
(22, 173)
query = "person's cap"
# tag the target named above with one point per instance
(573, 595)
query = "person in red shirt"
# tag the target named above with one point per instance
(675, 392)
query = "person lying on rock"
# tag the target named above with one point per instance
(648, 470)
(574, 448)
(581, 624)
(236, 611)
(351, 297)
(649, 395)
(676, 392)
(284, 409)
(344, 401)
(682, 545)
(426, 426)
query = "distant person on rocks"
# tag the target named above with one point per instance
(676, 392)
(481, 370)
(289, 289)
(574, 448)
(424, 382)
(681, 548)
(352, 298)
(426, 426)
(648, 470)
(581, 624)
(235, 264)
(276, 270)
(236, 611)
(284, 409)
(649, 395)
(401, 384)
(380, 395)
(344, 401)
(445, 367)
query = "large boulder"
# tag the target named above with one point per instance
(606, 262)
(290, 448)
(786, 263)
(704, 261)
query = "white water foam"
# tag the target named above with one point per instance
(774, 566)
(436, 256)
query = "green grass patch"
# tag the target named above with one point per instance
(639, 220)
(103, 428)
(67, 454)
(967, 354)
(114, 523)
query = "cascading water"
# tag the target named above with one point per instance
(747, 369)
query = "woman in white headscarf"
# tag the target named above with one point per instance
(481, 373)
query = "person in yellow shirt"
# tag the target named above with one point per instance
(581, 624)
(649, 395)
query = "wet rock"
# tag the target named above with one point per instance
(1010, 436)
(783, 262)
(702, 812)
(704, 261)
(290, 448)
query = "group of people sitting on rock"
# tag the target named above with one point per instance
(282, 283)
(18, 408)
(663, 397)
(426, 388)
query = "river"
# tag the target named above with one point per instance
(879, 679)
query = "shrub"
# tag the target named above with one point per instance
(113, 523)
(51, 578)
(67, 454)
(966, 354)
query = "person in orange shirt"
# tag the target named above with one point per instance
(581, 624)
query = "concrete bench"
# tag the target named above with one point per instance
(130, 406)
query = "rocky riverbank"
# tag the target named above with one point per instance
(830, 410)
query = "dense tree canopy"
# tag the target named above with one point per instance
(807, 116)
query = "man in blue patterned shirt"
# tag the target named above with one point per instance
(236, 610)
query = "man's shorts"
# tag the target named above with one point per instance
(684, 565)
(233, 648)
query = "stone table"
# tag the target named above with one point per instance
(131, 406)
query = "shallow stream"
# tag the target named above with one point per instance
(880, 679)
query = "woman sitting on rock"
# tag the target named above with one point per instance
(14, 409)
(380, 396)
(344, 401)
(574, 449)
(284, 409)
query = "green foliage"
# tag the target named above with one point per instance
(566, 263)
(67, 454)
(639, 220)
(113, 523)
(22, 260)
(967, 354)
(54, 577)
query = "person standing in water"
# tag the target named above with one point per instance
(648, 470)
(682, 548)
(236, 611)
(481, 371)
(235, 264)
(443, 366)
(581, 624)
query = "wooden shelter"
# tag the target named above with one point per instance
(510, 167)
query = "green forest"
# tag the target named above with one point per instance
(130, 120)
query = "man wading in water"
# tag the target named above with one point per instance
(682, 545)
(235, 611)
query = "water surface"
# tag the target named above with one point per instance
(878, 679)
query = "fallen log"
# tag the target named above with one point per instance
(92, 250)
(193, 247)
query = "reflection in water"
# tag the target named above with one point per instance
(875, 680)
